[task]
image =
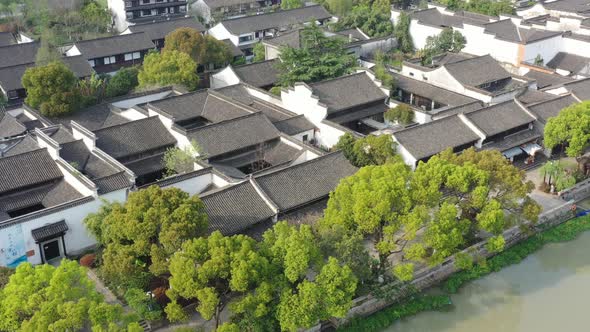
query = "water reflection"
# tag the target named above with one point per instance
(547, 292)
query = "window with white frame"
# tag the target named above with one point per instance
(132, 56)
(109, 60)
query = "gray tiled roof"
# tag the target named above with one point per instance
(294, 125)
(290, 38)
(280, 18)
(570, 62)
(227, 3)
(580, 88)
(572, 6)
(507, 30)
(134, 137)
(240, 93)
(92, 118)
(10, 77)
(545, 80)
(18, 54)
(307, 182)
(469, 71)
(6, 38)
(20, 145)
(227, 136)
(499, 118)
(433, 17)
(426, 140)
(10, 126)
(347, 91)
(358, 113)
(551, 108)
(27, 169)
(355, 33)
(430, 91)
(199, 104)
(534, 96)
(235, 51)
(49, 231)
(236, 208)
(258, 74)
(119, 44)
(160, 29)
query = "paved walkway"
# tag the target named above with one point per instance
(547, 201)
(109, 297)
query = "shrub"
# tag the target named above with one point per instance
(88, 260)
(5, 274)
(123, 82)
(143, 304)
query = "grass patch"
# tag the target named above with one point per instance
(384, 318)
(513, 255)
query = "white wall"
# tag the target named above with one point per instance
(547, 48)
(194, 185)
(223, 78)
(73, 51)
(130, 102)
(271, 52)
(328, 135)
(405, 154)
(220, 33)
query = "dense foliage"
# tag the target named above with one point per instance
(203, 50)
(369, 150)
(45, 298)
(291, 4)
(402, 114)
(5, 274)
(318, 58)
(382, 73)
(447, 201)
(571, 128)
(123, 82)
(267, 284)
(140, 236)
(51, 88)
(486, 7)
(259, 52)
(372, 17)
(402, 33)
(448, 40)
(167, 68)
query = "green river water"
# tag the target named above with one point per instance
(547, 292)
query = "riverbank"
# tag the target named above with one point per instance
(513, 255)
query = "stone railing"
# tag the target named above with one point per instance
(578, 192)
(432, 276)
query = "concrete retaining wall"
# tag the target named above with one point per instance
(578, 192)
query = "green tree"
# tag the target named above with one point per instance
(51, 88)
(47, 52)
(143, 304)
(45, 298)
(291, 4)
(374, 20)
(374, 202)
(318, 58)
(259, 52)
(402, 114)
(140, 236)
(172, 67)
(122, 82)
(203, 50)
(402, 33)
(208, 269)
(570, 128)
(382, 73)
(369, 150)
(339, 7)
(447, 41)
(180, 161)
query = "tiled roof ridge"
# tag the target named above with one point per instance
(163, 21)
(557, 97)
(271, 13)
(314, 84)
(36, 151)
(109, 37)
(21, 44)
(253, 63)
(307, 162)
(223, 122)
(146, 119)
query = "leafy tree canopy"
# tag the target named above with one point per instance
(141, 235)
(448, 40)
(571, 127)
(202, 49)
(267, 284)
(122, 82)
(486, 7)
(168, 67)
(402, 33)
(291, 4)
(402, 114)
(372, 18)
(369, 150)
(51, 88)
(318, 58)
(259, 52)
(45, 298)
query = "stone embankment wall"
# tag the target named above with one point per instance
(578, 192)
(432, 276)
